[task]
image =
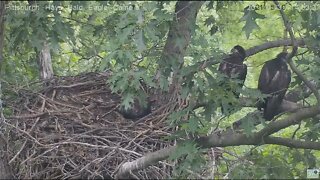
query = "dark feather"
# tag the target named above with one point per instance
(274, 80)
(136, 111)
(233, 67)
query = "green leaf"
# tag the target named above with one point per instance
(248, 126)
(140, 41)
(140, 17)
(213, 30)
(125, 33)
(193, 125)
(210, 5)
(148, 80)
(210, 20)
(151, 32)
(127, 100)
(164, 84)
(180, 42)
(250, 17)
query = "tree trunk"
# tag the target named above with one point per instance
(179, 36)
(2, 13)
(45, 64)
(5, 169)
(44, 56)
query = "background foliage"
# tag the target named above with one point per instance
(128, 38)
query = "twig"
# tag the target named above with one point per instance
(295, 131)
(30, 131)
(29, 116)
(26, 133)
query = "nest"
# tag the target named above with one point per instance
(71, 129)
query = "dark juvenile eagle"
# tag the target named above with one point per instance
(233, 67)
(274, 81)
(137, 110)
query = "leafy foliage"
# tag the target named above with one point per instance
(127, 38)
(250, 16)
(190, 157)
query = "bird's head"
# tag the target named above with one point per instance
(239, 50)
(282, 56)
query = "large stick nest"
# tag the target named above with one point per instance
(71, 129)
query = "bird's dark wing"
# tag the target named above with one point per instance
(280, 81)
(233, 67)
(278, 86)
(243, 73)
(285, 82)
(265, 78)
(223, 67)
(272, 107)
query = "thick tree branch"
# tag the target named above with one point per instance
(200, 66)
(294, 118)
(163, 154)
(300, 93)
(289, 104)
(294, 51)
(232, 138)
(144, 161)
(229, 138)
(285, 105)
(292, 143)
(272, 44)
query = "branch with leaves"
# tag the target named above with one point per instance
(294, 51)
(179, 37)
(200, 66)
(232, 138)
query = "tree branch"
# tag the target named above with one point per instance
(272, 44)
(292, 143)
(232, 138)
(200, 66)
(300, 93)
(294, 51)
(284, 107)
(144, 161)
(294, 118)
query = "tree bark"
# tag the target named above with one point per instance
(232, 138)
(2, 13)
(45, 63)
(5, 169)
(44, 56)
(179, 37)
